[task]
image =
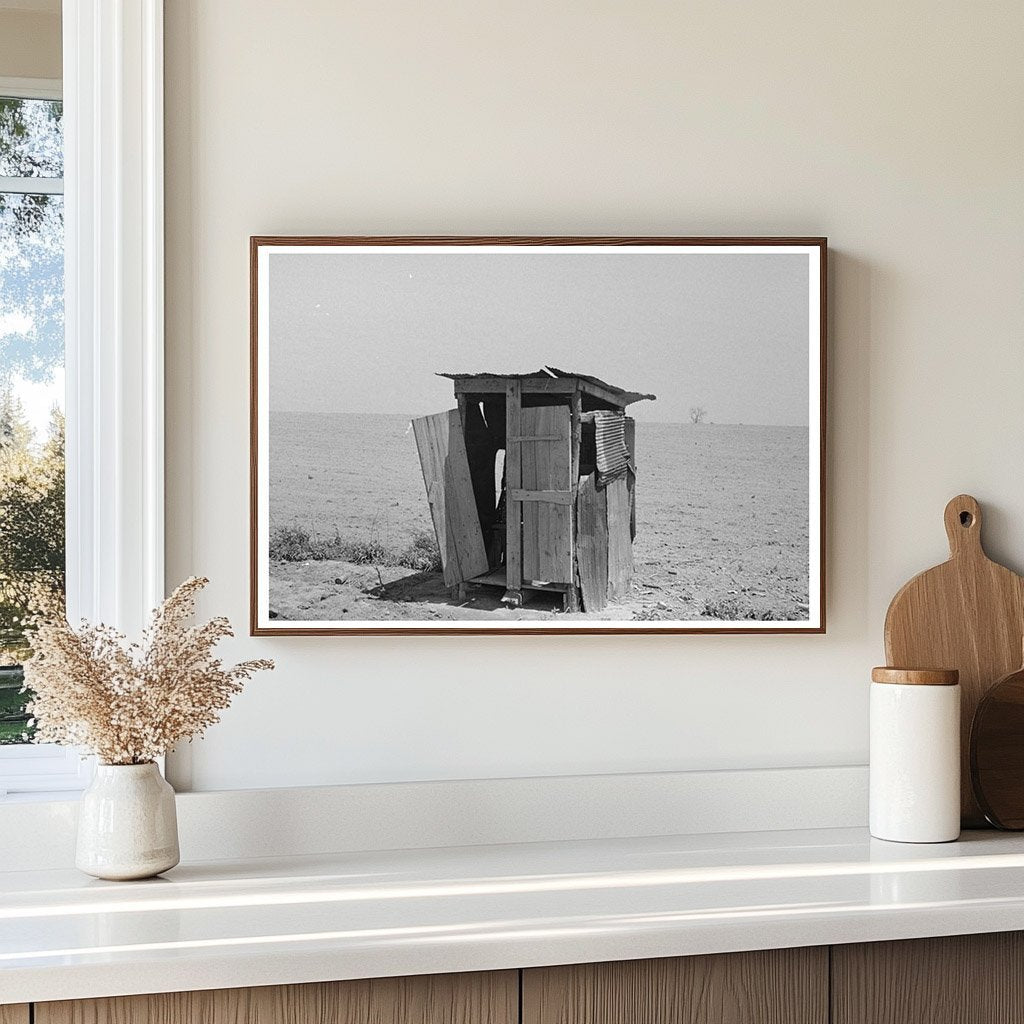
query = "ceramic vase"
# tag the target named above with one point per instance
(127, 825)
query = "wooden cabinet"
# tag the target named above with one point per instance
(962, 979)
(778, 986)
(491, 998)
(969, 979)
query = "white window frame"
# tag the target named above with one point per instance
(37, 767)
(113, 283)
(31, 89)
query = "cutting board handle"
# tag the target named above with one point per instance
(963, 526)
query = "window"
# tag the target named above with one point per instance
(112, 212)
(31, 383)
(32, 530)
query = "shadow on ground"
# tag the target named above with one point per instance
(429, 588)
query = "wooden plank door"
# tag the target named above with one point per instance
(479, 998)
(774, 986)
(960, 979)
(442, 449)
(620, 542)
(546, 460)
(14, 1014)
(592, 543)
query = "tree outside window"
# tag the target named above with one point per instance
(32, 544)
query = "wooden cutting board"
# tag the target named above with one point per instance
(997, 752)
(967, 614)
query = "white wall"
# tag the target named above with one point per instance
(895, 129)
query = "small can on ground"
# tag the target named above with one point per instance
(915, 755)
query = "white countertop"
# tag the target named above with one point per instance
(351, 915)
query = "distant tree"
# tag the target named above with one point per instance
(31, 243)
(697, 413)
(32, 544)
(31, 348)
(31, 524)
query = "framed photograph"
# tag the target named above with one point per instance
(537, 435)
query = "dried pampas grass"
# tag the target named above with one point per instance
(130, 703)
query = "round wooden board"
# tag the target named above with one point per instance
(997, 752)
(967, 613)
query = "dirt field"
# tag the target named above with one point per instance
(722, 523)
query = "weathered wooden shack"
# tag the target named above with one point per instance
(532, 486)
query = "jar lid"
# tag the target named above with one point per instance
(916, 676)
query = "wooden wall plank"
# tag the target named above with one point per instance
(480, 998)
(535, 461)
(14, 1014)
(630, 478)
(620, 542)
(961, 979)
(550, 497)
(513, 481)
(576, 429)
(460, 505)
(592, 543)
(442, 451)
(546, 468)
(780, 986)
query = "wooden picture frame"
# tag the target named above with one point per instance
(534, 480)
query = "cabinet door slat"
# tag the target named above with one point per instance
(777, 986)
(959, 979)
(478, 998)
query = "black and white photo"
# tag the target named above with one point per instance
(467, 435)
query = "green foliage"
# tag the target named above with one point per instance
(31, 348)
(31, 549)
(31, 524)
(14, 726)
(295, 544)
(31, 138)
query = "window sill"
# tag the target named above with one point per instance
(41, 797)
(42, 771)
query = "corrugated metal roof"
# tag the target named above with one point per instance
(509, 376)
(597, 380)
(553, 372)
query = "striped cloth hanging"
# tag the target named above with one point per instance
(612, 454)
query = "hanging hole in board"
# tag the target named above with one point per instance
(966, 519)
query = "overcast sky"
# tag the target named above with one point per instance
(366, 333)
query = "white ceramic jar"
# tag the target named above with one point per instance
(127, 823)
(915, 755)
